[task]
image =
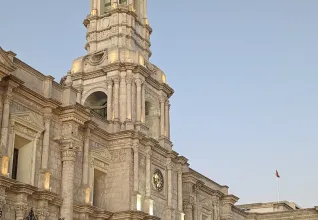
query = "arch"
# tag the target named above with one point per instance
(97, 101)
(89, 92)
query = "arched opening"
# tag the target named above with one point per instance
(152, 118)
(97, 101)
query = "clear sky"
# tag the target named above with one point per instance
(244, 74)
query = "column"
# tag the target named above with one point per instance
(136, 165)
(86, 156)
(67, 192)
(162, 116)
(188, 211)
(116, 99)
(123, 102)
(79, 94)
(169, 168)
(46, 141)
(11, 147)
(180, 205)
(143, 104)
(167, 118)
(138, 83)
(148, 171)
(109, 99)
(129, 98)
(5, 119)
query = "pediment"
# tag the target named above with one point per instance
(101, 154)
(28, 119)
(5, 62)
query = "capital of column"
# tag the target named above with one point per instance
(138, 82)
(80, 89)
(109, 82)
(187, 206)
(129, 79)
(7, 98)
(47, 119)
(135, 145)
(116, 80)
(148, 152)
(167, 103)
(69, 150)
(169, 164)
(163, 99)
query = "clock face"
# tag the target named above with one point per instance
(158, 180)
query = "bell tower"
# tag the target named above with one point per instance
(115, 79)
(118, 24)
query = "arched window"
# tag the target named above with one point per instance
(123, 2)
(97, 101)
(108, 4)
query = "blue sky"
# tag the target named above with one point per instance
(244, 74)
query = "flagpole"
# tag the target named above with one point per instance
(277, 190)
(277, 179)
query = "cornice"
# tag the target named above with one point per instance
(230, 199)
(129, 215)
(29, 69)
(208, 179)
(239, 211)
(77, 113)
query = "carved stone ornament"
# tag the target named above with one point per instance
(158, 180)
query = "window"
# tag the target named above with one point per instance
(22, 160)
(122, 1)
(99, 189)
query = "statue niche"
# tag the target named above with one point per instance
(97, 101)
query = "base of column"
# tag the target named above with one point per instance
(129, 125)
(116, 126)
(123, 126)
(139, 126)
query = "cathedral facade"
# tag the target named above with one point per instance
(96, 145)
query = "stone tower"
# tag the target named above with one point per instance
(128, 98)
(115, 78)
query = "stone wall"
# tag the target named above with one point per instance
(117, 181)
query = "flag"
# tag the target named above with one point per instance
(277, 174)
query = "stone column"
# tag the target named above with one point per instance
(143, 104)
(188, 211)
(169, 186)
(180, 205)
(79, 94)
(148, 171)
(86, 156)
(11, 147)
(109, 99)
(162, 116)
(129, 98)
(20, 209)
(69, 152)
(46, 141)
(139, 106)
(5, 119)
(123, 92)
(116, 103)
(136, 165)
(167, 118)
(21, 203)
(4, 184)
